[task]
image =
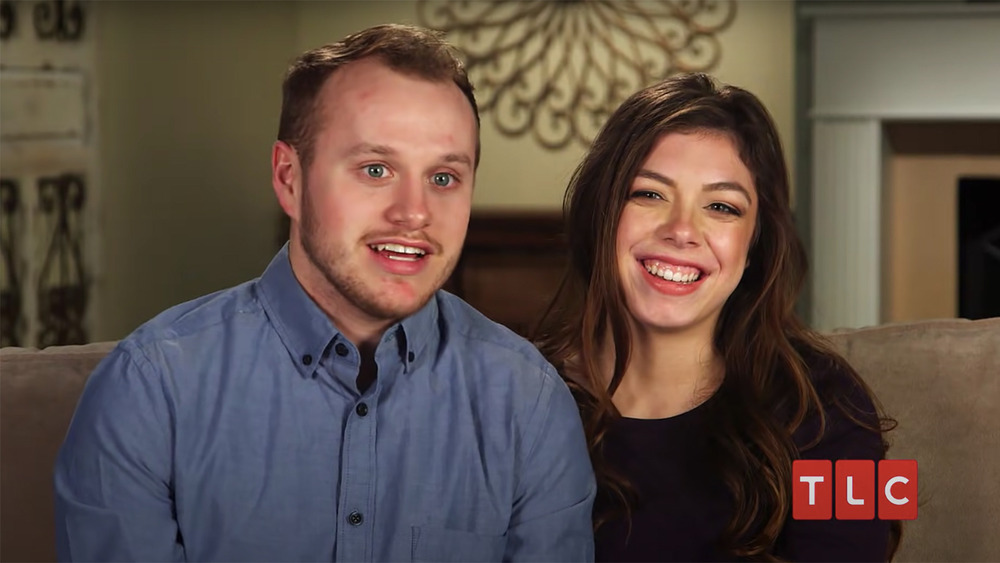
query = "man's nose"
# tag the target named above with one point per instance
(409, 207)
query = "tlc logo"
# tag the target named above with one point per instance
(812, 489)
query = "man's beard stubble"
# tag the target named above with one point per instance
(342, 281)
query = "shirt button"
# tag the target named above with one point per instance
(307, 359)
(361, 409)
(411, 356)
(355, 518)
(341, 349)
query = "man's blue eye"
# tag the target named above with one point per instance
(375, 170)
(442, 179)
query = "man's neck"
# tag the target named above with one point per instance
(361, 329)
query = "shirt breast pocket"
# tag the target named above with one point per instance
(440, 544)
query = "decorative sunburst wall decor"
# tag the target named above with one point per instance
(556, 69)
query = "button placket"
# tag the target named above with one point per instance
(357, 467)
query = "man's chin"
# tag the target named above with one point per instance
(398, 303)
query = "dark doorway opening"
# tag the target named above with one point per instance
(978, 248)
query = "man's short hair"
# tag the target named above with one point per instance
(406, 49)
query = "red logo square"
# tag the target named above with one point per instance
(812, 488)
(855, 489)
(897, 489)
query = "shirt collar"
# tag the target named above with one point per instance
(303, 327)
(420, 329)
(307, 332)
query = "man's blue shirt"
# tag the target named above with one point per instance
(231, 428)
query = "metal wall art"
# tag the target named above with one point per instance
(557, 69)
(62, 286)
(8, 18)
(11, 319)
(62, 20)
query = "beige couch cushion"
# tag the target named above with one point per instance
(941, 381)
(38, 393)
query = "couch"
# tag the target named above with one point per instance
(940, 379)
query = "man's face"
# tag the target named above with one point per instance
(385, 202)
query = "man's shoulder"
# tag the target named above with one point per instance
(500, 367)
(193, 320)
(478, 334)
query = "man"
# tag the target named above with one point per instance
(340, 407)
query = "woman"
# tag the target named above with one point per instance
(676, 330)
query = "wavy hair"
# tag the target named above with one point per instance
(767, 391)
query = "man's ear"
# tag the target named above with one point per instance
(286, 178)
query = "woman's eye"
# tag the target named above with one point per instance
(375, 170)
(442, 179)
(646, 194)
(725, 208)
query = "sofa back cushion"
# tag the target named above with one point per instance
(38, 393)
(941, 381)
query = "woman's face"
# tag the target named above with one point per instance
(685, 232)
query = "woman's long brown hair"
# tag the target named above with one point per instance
(767, 391)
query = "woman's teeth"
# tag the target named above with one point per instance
(678, 274)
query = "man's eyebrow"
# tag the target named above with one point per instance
(385, 150)
(712, 187)
(368, 148)
(457, 158)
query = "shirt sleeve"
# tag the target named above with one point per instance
(113, 495)
(551, 517)
(843, 438)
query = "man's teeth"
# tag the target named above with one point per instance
(675, 274)
(399, 249)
